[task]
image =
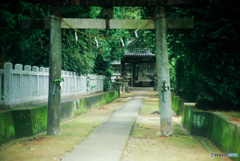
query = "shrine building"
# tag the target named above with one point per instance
(139, 64)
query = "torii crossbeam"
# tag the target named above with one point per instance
(86, 23)
(160, 24)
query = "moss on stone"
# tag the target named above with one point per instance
(188, 118)
(214, 125)
(28, 122)
(183, 115)
(7, 131)
(22, 123)
(39, 117)
(181, 104)
(200, 123)
(83, 108)
(107, 97)
(67, 110)
(223, 133)
(102, 99)
(175, 106)
(79, 110)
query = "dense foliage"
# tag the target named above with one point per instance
(31, 47)
(18, 45)
(204, 61)
(207, 57)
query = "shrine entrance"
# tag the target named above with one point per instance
(145, 72)
(142, 64)
(160, 23)
(140, 67)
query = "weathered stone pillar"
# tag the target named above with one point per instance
(55, 62)
(7, 83)
(163, 71)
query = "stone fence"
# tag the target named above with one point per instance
(19, 87)
(222, 130)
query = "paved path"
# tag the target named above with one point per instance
(107, 142)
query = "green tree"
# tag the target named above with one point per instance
(207, 56)
(19, 45)
(31, 47)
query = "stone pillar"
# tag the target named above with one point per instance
(163, 71)
(19, 67)
(7, 83)
(55, 60)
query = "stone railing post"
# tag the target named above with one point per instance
(18, 91)
(7, 83)
(31, 84)
(74, 82)
(28, 91)
(36, 93)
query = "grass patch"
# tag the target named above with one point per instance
(131, 94)
(149, 105)
(152, 94)
(118, 99)
(142, 131)
(149, 108)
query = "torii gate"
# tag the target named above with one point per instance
(160, 24)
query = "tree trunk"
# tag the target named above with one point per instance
(55, 62)
(163, 71)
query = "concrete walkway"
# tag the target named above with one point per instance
(107, 142)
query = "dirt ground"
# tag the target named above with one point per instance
(145, 145)
(50, 148)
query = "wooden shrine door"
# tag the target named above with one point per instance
(145, 74)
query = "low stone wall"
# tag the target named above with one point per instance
(215, 126)
(7, 131)
(27, 122)
(224, 134)
(29, 85)
(177, 104)
(195, 121)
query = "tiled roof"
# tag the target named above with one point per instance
(139, 52)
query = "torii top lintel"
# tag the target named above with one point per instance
(110, 2)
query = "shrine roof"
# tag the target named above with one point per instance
(139, 52)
